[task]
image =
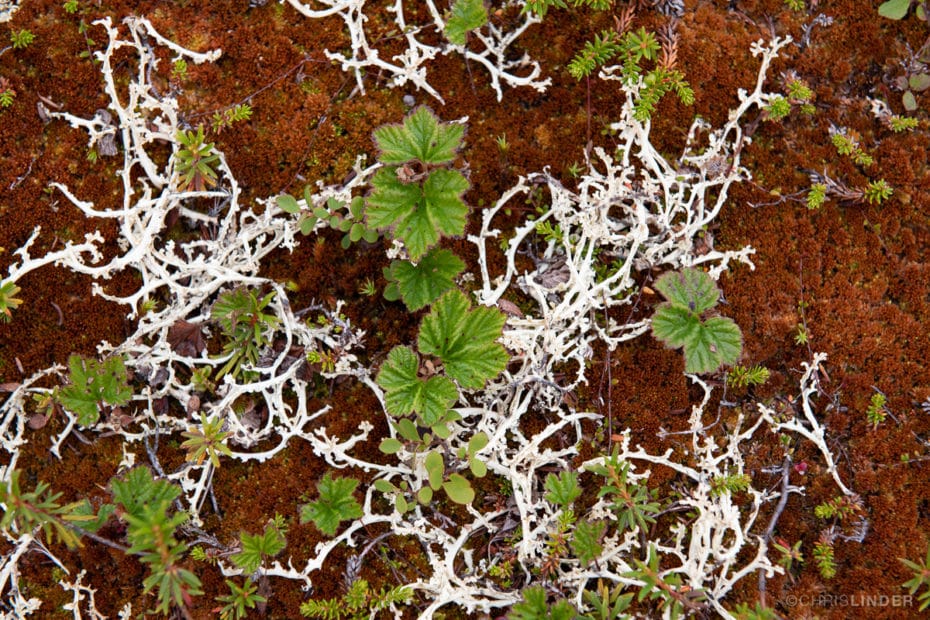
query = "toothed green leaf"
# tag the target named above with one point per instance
(406, 393)
(466, 16)
(418, 214)
(421, 284)
(336, 504)
(422, 137)
(464, 339)
(690, 288)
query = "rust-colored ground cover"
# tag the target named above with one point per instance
(855, 276)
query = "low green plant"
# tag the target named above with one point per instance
(464, 341)
(921, 577)
(7, 97)
(9, 301)
(824, 558)
(816, 196)
(878, 191)
(607, 603)
(207, 441)
(790, 556)
(673, 598)
(897, 9)
(849, 146)
(334, 505)
(708, 344)
(633, 502)
(416, 197)
(744, 376)
(758, 612)
(902, 123)
(239, 600)
(534, 606)
(631, 49)
(195, 161)
(179, 70)
(465, 16)
(246, 327)
(420, 284)
(876, 412)
(228, 117)
(360, 602)
(255, 548)
(145, 506)
(796, 5)
(562, 490)
(21, 39)
(541, 7)
(93, 384)
(71, 6)
(335, 214)
(40, 508)
(842, 508)
(729, 483)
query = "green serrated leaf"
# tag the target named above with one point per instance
(139, 489)
(466, 16)
(406, 393)
(689, 288)
(478, 468)
(718, 342)
(421, 284)
(894, 9)
(459, 490)
(464, 339)
(675, 325)
(418, 214)
(909, 101)
(92, 383)
(256, 547)
(586, 540)
(563, 489)
(422, 137)
(335, 504)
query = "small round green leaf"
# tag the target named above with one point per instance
(425, 495)
(459, 489)
(390, 446)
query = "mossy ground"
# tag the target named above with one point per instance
(861, 271)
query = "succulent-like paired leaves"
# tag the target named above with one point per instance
(707, 344)
(464, 339)
(421, 284)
